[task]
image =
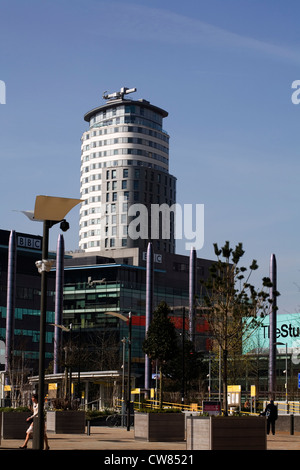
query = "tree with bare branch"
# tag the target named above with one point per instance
(232, 306)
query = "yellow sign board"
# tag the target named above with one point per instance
(253, 390)
(136, 391)
(233, 388)
(52, 386)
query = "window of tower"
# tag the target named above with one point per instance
(129, 109)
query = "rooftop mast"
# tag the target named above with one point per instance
(118, 95)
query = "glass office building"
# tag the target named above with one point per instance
(27, 296)
(95, 285)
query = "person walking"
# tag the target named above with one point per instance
(29, 431)
(271, 414)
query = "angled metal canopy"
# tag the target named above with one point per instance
(53, 208)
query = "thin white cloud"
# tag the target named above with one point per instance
(142, 23)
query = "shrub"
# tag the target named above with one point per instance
(10, 409)
(63, 405)
(159, 410)
(94, 414)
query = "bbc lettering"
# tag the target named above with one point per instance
(27, 242)
(156, 257)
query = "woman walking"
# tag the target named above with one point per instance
(29, 431)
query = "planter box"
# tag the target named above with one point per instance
(66, 422)
(226, 433)
(14, 424)
(159, 427)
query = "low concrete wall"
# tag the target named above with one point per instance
(159, 427)
(66, 422)
(226, 433)
(14, 424)
(289, 423)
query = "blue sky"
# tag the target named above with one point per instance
(223, 69)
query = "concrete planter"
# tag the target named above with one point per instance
(14, 424)
(226, 433)
(159, 427)
(66, 422)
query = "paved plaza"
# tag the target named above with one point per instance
(119, 439)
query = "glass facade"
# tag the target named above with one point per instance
(27, 302)
(91, 292)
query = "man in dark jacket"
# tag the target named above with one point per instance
(272, 414)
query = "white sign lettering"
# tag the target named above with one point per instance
(28, 242)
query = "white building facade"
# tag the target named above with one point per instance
(125, 163)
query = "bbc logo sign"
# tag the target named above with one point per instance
(29, 242)
(156, 257)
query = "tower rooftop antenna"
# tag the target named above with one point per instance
(118, 95)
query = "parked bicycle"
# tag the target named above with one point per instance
(118, 419)
(114, 420)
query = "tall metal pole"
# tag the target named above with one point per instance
(123, 341)
(129, 372)
(70, 353)
(183, 357)
(10, 305)
(220, 374)
(286, 374)
(192, 293)
(58, 300)
(79, 367)
(41, 424)
(149, 307)
(273, 321)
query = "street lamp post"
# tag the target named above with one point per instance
(46, 227)
(122, 317)
(123, 341)
(183, 359)
(129, 372)
(183, 353)
(286, 371)
(49, 210)
(68, 330)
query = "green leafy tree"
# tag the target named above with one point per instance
(161, 342)
(232, 306)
